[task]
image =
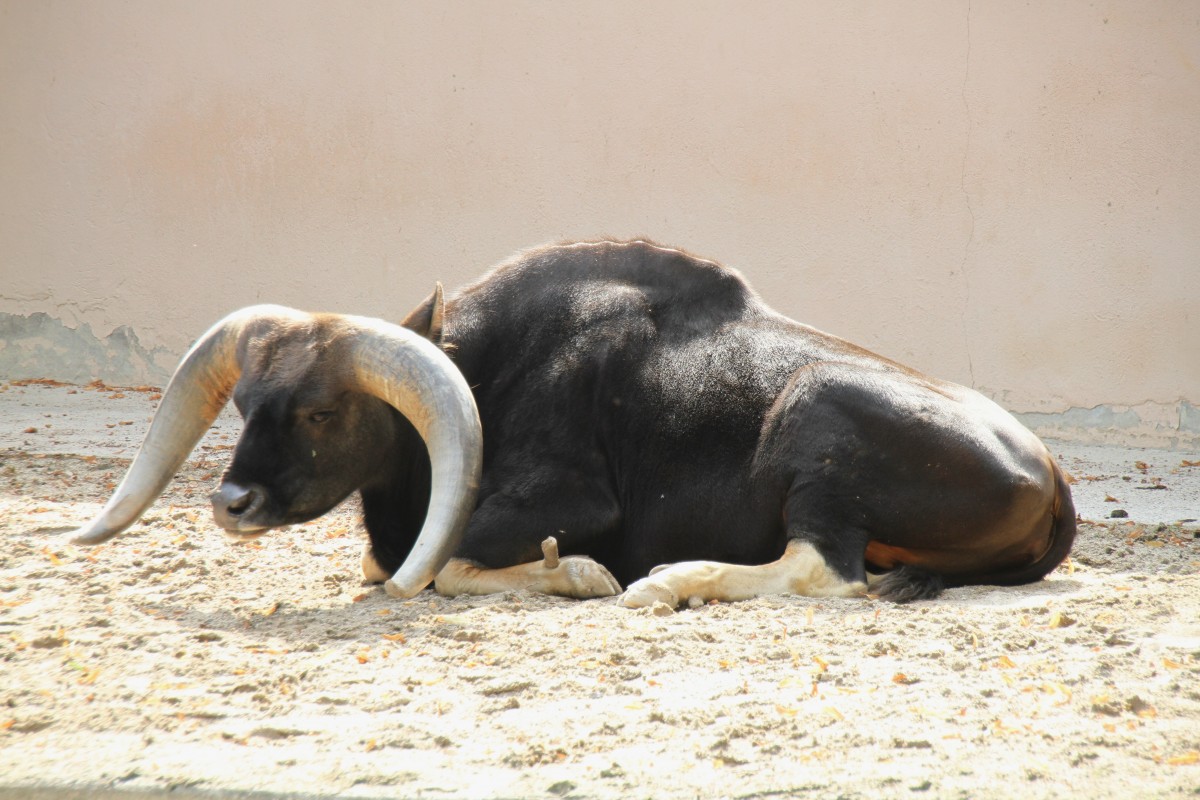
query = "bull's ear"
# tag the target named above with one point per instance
(426, 319)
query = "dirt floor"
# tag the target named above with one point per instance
(169, 660)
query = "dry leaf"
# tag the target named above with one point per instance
(1169, 664)
(1061, 620)
(1186, 463)
(1190, 757)
(904, 680)
(358, 598)
(1142, 465)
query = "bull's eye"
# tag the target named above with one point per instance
(319, 417)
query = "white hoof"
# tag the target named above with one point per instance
(647, 592)
(581, 577)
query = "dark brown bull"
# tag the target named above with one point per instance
(639, 406)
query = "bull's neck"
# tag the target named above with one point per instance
(395, 502)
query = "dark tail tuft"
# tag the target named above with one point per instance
(906, 584)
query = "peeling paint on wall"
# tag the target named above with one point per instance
(1164, 425)
(39, 346)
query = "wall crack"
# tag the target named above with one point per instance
(964, 267)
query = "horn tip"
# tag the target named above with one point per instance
(90, 535)
(404, 591)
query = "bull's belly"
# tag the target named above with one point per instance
(735, 534)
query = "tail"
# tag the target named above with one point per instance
(905, 584)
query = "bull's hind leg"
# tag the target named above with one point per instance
(801, 570)
(572, 576)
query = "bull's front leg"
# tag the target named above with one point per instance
(371, 570)
(573, 576)
(801, 570)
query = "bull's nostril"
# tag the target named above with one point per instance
(238, 505)
(235, 506)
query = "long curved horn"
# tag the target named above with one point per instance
(195, 396)
(419, 380)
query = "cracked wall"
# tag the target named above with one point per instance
(1000, 195)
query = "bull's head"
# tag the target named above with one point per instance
(312, 390)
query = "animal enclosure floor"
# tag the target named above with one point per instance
(168, 661)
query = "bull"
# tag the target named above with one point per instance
(595, 415)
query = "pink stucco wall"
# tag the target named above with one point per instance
(1006, 195)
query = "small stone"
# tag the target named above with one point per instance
(48, 642)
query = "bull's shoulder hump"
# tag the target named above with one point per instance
(663, 274)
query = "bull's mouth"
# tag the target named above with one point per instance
(241, 537)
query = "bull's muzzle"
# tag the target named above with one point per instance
(235, 507)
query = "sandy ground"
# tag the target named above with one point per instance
(168, 661)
